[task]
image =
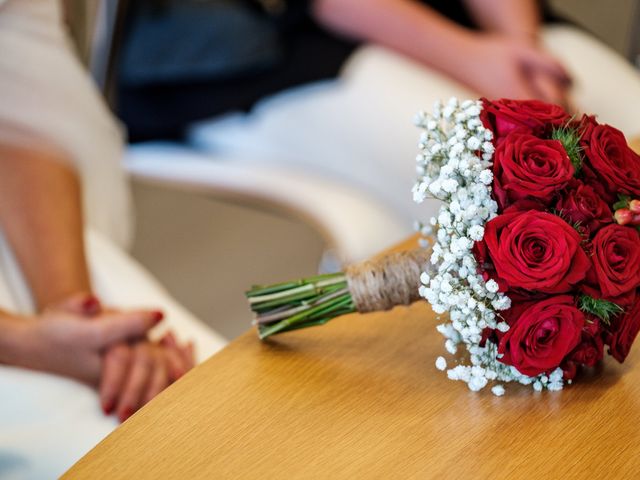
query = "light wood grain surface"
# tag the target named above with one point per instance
(361, 398)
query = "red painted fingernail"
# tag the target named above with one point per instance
(157, 316)
(107, 407)
(126, 414)
(91, 305)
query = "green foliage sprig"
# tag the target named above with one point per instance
(569, 137)
(603, 309)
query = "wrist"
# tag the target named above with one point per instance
(81, 302)
(14, 340)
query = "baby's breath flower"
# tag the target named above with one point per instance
(497, 390)
(492, 286)
(486, 177)
(476, 232)
(455, 165)
(503, 327)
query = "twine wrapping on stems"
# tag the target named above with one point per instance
(387, 281)
(374, 285)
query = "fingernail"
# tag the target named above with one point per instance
(107, 407)
(91, 305)
(127, 412)
(177, 373)
(157, 316)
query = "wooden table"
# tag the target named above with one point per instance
(361, 398)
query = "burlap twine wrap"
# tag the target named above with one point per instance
(387, 281)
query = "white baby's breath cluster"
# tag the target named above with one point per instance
(454, 166)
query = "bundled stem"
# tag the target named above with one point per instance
(379, 284)
(305, 303)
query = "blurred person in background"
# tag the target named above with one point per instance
(330, 86)
(77, 354)
(187, 60)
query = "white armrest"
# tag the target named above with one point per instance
(355, 224)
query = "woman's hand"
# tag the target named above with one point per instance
(498, 66)
(67, 344)
(133, 373)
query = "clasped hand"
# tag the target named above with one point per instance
(105, 348)
(499, 66)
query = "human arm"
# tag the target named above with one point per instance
(492, 64)
(406, 26)
(521, 19)
(41, 216)
(66, 344)
(109, 352)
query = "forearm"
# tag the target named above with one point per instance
(40, 213)
(519, 18)
(403, 25)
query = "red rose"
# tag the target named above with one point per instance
(626, 329)
(569, 370)
(590, 349)
(542, 336)
(535, 251)
(610, 161)
(581, 204)
(527, 167)
(616, 260)
(526, 116)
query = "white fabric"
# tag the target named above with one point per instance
(355, 224)
(45, 94)
(48, 422)
(358, 128)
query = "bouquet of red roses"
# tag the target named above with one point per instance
(536, 252)
(538, 248)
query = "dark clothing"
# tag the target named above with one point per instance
(298, 52)
(178, 65)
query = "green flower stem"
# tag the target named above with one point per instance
(272, 315)
(292, 305)
(292, 300)
(286, 286)
(323, 311)
(285, 293)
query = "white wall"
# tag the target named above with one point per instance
(613, 21)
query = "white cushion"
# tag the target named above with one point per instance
(355, 223)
